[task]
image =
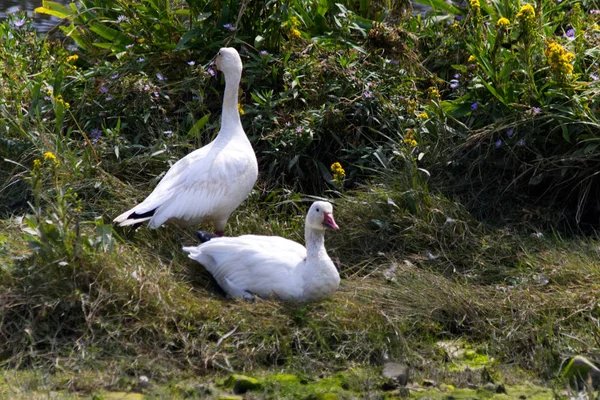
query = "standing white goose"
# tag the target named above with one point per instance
(209, 183)
(271, 266)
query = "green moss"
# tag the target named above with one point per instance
(323, 396)
(122, 396)
(530, 392)
(284, 379)
(241, 383)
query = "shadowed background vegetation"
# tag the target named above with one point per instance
(466, 150)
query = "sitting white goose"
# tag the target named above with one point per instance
(208, 184)
(271, 266)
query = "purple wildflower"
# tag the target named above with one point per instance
(20, 22)
(368, 94)
(570, 34)
(498, 143)
(453, 84)
(341, 15)
(595, 11)
(122, 18)
(456, 76)
(510, 132)
(168, 133)
(47, 98)
(211, 71)
(474, 106)
(594, 76)
(95, 134)
(299, 129)
(115, 76)
(103, 89)
(521, 143)
(160, 77)
(458, 17)
(230, 27)
(387, 60)
(263, 53)
(191, 63)
(395, 62)
(536, 110)
(109, 97)
(141, 59)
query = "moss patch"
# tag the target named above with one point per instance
(530, 392)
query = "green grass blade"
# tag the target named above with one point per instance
(441, 5)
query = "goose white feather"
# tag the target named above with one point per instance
(208, 184)
(271, 266)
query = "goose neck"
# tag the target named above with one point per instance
(315, 243)
(230, 117)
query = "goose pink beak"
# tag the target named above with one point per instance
(329, 222)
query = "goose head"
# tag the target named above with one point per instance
(228, 61)
(320, 216)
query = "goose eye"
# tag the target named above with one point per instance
(317, 210)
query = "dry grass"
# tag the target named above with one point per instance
(411, 277)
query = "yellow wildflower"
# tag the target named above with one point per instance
(503, 23)
(433, 93)
(471, 59)
(72, 58)
(474, 4)
(294, 20)
(423, 116)
(526, 14)
(240, 109)
(409, 138)
(455, 25)
(596, 27)
(559, 59)
(49, 156)
(338, 172)
(141, 40)
(411, 106)
(37, 163)
(295, 33)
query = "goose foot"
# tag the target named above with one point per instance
(204, 236)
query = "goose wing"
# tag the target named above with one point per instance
(262, 265)
(204, 183)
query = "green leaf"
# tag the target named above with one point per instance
(565, 133)
(189, 35)
(73, 33)
(441, 5)
(104, 31)
(110, 46)
(35, 97)
(195, 131)
(494, 92)
(55, 9)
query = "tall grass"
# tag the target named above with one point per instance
(89, 132)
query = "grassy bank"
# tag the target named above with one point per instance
(451, 170)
